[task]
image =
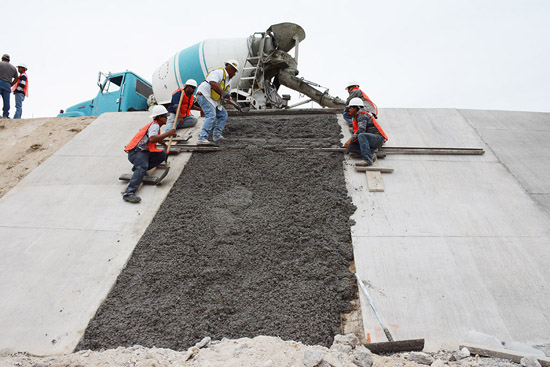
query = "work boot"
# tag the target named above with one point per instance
(218, 138)
(364, 163)
(381, 155)
(131, 198)
(203, 142)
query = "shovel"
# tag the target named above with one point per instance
(391, 346)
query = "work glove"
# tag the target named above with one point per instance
(226, 95)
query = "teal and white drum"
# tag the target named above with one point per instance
(195, 62)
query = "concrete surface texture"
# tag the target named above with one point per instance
(66, 235)
(458, 243)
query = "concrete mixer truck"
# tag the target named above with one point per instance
(266, 65)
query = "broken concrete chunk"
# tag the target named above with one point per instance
(343, 348)
(205, 342)
(421, 358)
(268, 363)
(463, 353)
(530, 361)
(438, 363)
(348, 339)
(362, 357)
(312, 358)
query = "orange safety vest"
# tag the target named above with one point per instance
(186, 103)
(26, 89)
(376, 125)
(367, 99)
(137, 138)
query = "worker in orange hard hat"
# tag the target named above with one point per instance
(367, 136)
(188, 103)
(355, 92)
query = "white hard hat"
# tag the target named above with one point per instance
(22, 65)
(356, 102)
(233, 63)
(158, 110)
(191, 82)
(351, 84)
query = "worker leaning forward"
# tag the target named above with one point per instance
(367, 133)
(143, 152)
(186, 119)
(210, 95)
(355, 92)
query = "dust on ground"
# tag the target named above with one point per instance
(26, 143)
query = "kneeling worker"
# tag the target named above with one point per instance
(186, 119)
(367, 134)
(143, 152)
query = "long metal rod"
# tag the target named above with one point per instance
(366, 293)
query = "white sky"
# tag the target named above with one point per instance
(475, 54)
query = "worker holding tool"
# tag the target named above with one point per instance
(355, 92)
(210, 95)
(188, 103)
(143, 152)
(367, 134)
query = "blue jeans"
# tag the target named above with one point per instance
(366, 144)
(5, 89)
(211, 113)
(143, 160)
(19, 98)
(188, 121)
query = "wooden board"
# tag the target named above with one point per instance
(373, 168)
(374, 181)
(511, 355)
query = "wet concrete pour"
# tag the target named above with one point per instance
(248, 242)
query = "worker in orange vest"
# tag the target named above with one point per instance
(188, 103)
(367, 135)
(355, 92)
(143, 152)
(20, 90)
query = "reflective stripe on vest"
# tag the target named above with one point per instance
(366, 98)
(215, 95)
(375, 123)
(186, 103)
(26, 89)
(137, 138)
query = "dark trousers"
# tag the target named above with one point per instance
(366, 144)
(143, 160)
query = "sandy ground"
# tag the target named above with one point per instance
(26, 143)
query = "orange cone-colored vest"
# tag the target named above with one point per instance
(26, 89)
(376, 125)
(367, 99)
(186, 103)
(137, 138)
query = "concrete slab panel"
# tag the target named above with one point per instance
(508, 120)
(69, 234)
(440, 288)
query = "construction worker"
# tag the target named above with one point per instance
(355, 92)
(143, 152)
(8, 76)
(210, 95)
(186, 119)
(20, 90)
(367, 134)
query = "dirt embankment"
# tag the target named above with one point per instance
(26, 143)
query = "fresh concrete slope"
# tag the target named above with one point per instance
(458, 243)
(66, 234)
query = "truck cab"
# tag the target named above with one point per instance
(118, 92)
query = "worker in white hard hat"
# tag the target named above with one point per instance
(210, 95)
(367, 135)
(355, 92)
(20, 90)
(188, 103)
(143, 152)
(8, 76)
